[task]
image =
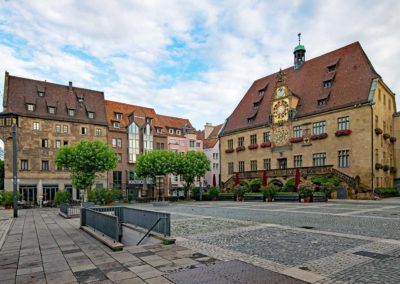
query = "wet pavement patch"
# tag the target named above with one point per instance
(90, 275)
(234, 271)
(372, 254)
(142, 254)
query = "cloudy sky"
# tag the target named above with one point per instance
(192, 59)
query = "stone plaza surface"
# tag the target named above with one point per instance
(217, 242)
(336, 242)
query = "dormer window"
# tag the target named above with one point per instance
(118, 115)
(250, 120)
(261, 92)
(30, 107)
(322, 102)
(90, 114)
(178, 132)
(41, 93)
(80, 99)
(148, 120)
(115, 124)
(158, 129)
(327, 84)
(71, 112)
(170, 131)
(51, 110)
(332, 68)
(256, 104)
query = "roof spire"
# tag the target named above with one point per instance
(299, 35)
(299, 54)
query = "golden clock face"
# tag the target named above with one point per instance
(280, 110)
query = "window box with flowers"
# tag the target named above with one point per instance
(228, 151)
(266, 144)
(296, 139)
(385, 168)
(378, 166)
(378, 131)
(319, 136)
(393, 139)
(393, 170)
(252, 146)
(386, 136)
(240, 148)
(343, 132)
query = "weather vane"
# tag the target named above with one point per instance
(299, 35)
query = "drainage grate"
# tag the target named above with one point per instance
(307, 227)
(304, 268)
(234, 271)
(372, 254)
(197, 255)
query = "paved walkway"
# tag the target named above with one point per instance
(42, 247)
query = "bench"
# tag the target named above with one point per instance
(319, 198)
(226, 197)
(254, 197)
(292, 197)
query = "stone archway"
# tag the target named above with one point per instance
(276, 182)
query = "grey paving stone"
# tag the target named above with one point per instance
(60, 277)
(90, 275)
(119, 273)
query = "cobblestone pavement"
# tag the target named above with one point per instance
(334, 242)
(5, 222)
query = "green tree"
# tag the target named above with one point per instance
(85, 160)
(156, 163)
(190, 165)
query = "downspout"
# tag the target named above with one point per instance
(372, 103)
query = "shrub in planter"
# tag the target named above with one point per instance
(393, 139)
(386, 168)
(92, 196)
(252, 146)
(239, 192)
(255, 185)
(378, 166)
(269, 192)
(62, 196)
(213, 193)
(7, 199)
(240, 148)
(296, 139)
(343, 132)
(290, 185)
(378, 131)
(229, 151)
(327, 188)
(266, 144)
(386, 136)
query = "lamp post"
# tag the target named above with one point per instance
(15, 174)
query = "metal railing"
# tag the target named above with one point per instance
(149, 230)
(146, 219)
(69, 210)
(101, 221)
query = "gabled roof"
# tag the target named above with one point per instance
(113, 107)
(351, 83)
(175, 123)
(22, 91)
(212, 138)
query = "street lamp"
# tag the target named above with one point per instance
(15, 174)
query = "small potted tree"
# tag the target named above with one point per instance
(239, 192)
(213, 193)
(269, 192)
(7, 199)
(306, 192)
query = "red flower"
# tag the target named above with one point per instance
(266, 144)
(386, 136)
(296, 139)
(378, 131)
(240, 148)
(252, 146)
(343, 132)
(319, 136)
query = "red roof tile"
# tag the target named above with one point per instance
(212, 138)
(351, 84)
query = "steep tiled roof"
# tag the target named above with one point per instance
(174, 122)
(126, 109)
(351, 85)
(212, 138)
(22, 91)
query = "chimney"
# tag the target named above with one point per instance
(70, 86)
(208, 128)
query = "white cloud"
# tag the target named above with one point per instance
(239, 41)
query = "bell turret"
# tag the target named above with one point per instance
(299, 54)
